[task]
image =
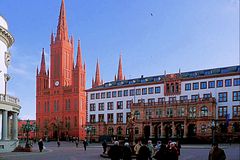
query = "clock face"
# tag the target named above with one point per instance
(56, 83)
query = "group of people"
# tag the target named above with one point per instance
(145, 151)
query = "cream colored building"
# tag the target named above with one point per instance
(9, 105)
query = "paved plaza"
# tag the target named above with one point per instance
(68, 151)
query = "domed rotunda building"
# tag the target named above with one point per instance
(9, 105)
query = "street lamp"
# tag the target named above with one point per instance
(213, 130)
(27, 128)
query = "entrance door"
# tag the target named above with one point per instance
(146, 132)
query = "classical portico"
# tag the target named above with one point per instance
(9, 105)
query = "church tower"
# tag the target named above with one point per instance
(61, 96)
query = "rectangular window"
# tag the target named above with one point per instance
(194, 98)
(101, 106)
(172, 99)
(110, 105)
(144, 91)
(128, 115)
(187, 86)
(222, 97)
(169, 112)
(222, 112)
(236, 111)
(92, 107)
(92, 118)
(114, 94)
(211, 84)
(101, 117)
(132, 92)
(125, 92)
(236, 81)
(151, 100)
(103, 95)
(236, 95)
(219, 83)
(141, 100)
(119, 93)
(195, 86)
(119, 104)
(183, 98)
(108, 94)
(119, 117)
(158, 113)
(228, 82)
(180, 111)
(150, 90)
(161, 100)
(138, 91)
(129, 102)
(157, 89)
(92, 96)
(203, 85)
(192, 112)
(206, 96)
(148, 113)
(97, 95)
(110, 117)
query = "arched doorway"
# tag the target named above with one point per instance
(146, 132)
(168, 131)
(191, 130)
(180, 130)
(157, 131)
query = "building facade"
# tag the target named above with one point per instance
(60, 93)
(9, 105)
(179, 105)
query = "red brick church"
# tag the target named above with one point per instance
(60, 93)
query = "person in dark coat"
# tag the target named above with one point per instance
(143, 153)
(172, 152)
(40, 145)
(216, 153)
(127, 152)
(161, 154)
(58, 143)
(85, 144)
(115, 152)
(104, 145)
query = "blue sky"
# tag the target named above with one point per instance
(186, 34)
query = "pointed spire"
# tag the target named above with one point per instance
(93, 84)
(97, 76)
(79, 56)
(37, 70)
(52, 38)
(120, 74)
(84, 66)
(43, 66)
(62, 30)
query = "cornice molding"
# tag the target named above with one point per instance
(6, 37)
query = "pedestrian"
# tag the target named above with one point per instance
(151, 149)
(158, 145)
(230, 141)
(40, 145)
(137, 147)
(172, 153)
(58, 143)
(104, 145)
(178, 145)
(127, 152)
(77, 142)
(161, 154)
(216, 153)
(144, 153)
(115, 152)
(85, 144)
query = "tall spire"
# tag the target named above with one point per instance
(97, 76)
(79, 56)
(62, 30)
(43, 66)
(120, 74)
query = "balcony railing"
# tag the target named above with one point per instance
(9, 99)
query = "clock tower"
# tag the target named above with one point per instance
(60, 94)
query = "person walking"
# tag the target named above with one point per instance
(151, 149)
(58, 143)
(104, 145)
(40, 145)
(77, 142)
(144, 153)
(85, 144)
(216, 153)
(137, 147)
(115, 152)
(127, 152)
(161, 154)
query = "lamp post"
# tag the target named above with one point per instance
(213, 130)
(27, 128)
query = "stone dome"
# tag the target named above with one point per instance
(3, 23)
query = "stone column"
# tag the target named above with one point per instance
(4, 124)
(15, 127)
(185, 129)
(162, 131)
(173, 130)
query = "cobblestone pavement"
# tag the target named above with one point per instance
(68, 151)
